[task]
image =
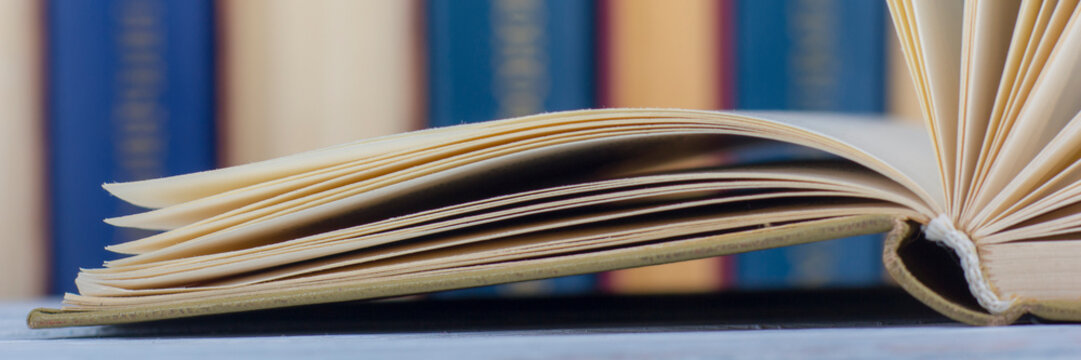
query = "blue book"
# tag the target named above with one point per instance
(130, 97)
(491, 59)
(811, 55)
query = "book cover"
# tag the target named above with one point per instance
(820, 56)
(491, 59)
(299, 75)
(22, 152)
(667, 54)
(130, 97)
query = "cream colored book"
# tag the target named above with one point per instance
(982, 204)
(300, 75)
(22, 152)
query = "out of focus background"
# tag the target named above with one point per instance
(96, 91)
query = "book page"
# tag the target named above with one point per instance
(1054, 176)
(987, 33)
(899, 152)
(675, 191)
(518, 242)
(999, 119)
(1035, 269)
(938, 33)
(403, 174)
(1048, 110)
(161, 192)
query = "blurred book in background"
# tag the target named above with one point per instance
(818, 55)
(492, 59)
(299, 75)
(130, 97)
(667, 54)
(22, 155)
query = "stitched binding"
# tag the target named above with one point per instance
(941, 230)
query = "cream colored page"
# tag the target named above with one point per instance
(889, 148)
(187, 213)
(1054, 176)
(939, 33)
(188, 187)
(156, 193)
(1035, 270)
(892, 147)
(373, 185)
(261, 196)
(546, 245)
(1053, 164)
(482, 207)
(514, 231)
(361, 197)
(901, 151)
(999, 119)
(826, 179)
(322, 182)
(1063, 223)
(162, 192)
(509, 244)
(1050, 107)
(1037, 31)
(988, 28)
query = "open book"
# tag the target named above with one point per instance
(982, 208)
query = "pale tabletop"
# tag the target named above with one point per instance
(831, 325)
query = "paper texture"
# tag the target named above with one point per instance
(660, 253)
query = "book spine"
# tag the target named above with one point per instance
(22, 213)
(492, 59)
(667, 54)
(825, 55)
(300, 75)
(130, 96)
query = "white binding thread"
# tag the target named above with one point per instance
(941, 230)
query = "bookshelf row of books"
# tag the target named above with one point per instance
(119, 90)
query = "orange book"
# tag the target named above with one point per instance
(658, 53)
(299, 75)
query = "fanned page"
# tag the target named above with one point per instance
(1013, 169)
(506, 192)
(930, 33)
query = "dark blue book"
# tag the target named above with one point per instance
(494, 59)
(823, 55)
(130, 97)
(490, 59)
